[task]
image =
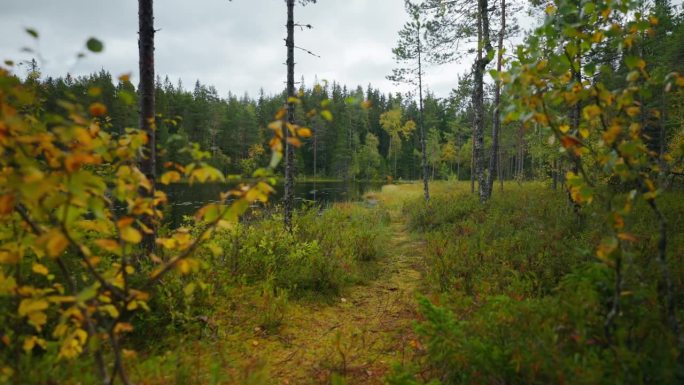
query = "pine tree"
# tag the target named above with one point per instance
(147, 110)
(409, 53)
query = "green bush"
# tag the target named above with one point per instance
(524, 301)
(327, 250)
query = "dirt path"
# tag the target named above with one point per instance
(358, 337)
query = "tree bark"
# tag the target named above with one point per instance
(426, 189)
(147, 109)
(483, 58)
(288, 196)
(496, 119)
(472, 163)
(662, 144)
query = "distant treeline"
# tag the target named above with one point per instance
(354, 145)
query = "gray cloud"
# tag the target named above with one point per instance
(235, 46)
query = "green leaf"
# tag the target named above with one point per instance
(94, 45)
(327, 115)
(631, 61)
(86, 294)
(32, 32)
(275, 159)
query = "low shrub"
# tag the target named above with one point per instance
(523, 299)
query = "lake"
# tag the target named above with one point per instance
(186, 199)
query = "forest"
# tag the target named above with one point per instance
(526, 228)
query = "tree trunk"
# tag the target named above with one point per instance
(496, 119)
(288, 196)
(478, 94)
(426, 190)
(472, 164)
(458, 165)
(520, 157)
(575, 116)
(499, 169)
(662, 144)
(147, 113)
(315, 161)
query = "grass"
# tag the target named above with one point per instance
(521, 298)
(262, 336)
(512, 293)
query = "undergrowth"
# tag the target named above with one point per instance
(520, 297)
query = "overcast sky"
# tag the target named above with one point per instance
(235, 46)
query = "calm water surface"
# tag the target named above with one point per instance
(186, 199)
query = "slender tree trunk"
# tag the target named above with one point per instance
(147, 109)
(472, 164)
(499, 169)
(496, 119)
(662, 144)
(288, 196)
(315, 155)
(426, 189)
(458, 162)
(483, 49)
(575, 116)
(520, 158)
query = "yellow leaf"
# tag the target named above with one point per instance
(633, 111)
(584, 133)
(680, 81)
(131, 235)
(40, 269)
(32, 341)
(591, 111)
(216, 250)
(627, 237)
(6, 204)
(37, 319)
(72, 345)
(304, 133)
(9, 257)
(97, 109)
(56, 243)
(564, 128)
(256, 195)
(187, 265)
(7, 284)
(597, 37)
(125, 78)
(170, 177)
(167, 243)
(123, 327)
(109, 245)
(111, 310)
(30, 305)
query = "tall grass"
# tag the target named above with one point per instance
(523, 300)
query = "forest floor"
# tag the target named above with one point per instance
(355, 338)
(365, 331)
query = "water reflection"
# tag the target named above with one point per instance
(186, 199)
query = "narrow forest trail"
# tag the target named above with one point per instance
(364, 332)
